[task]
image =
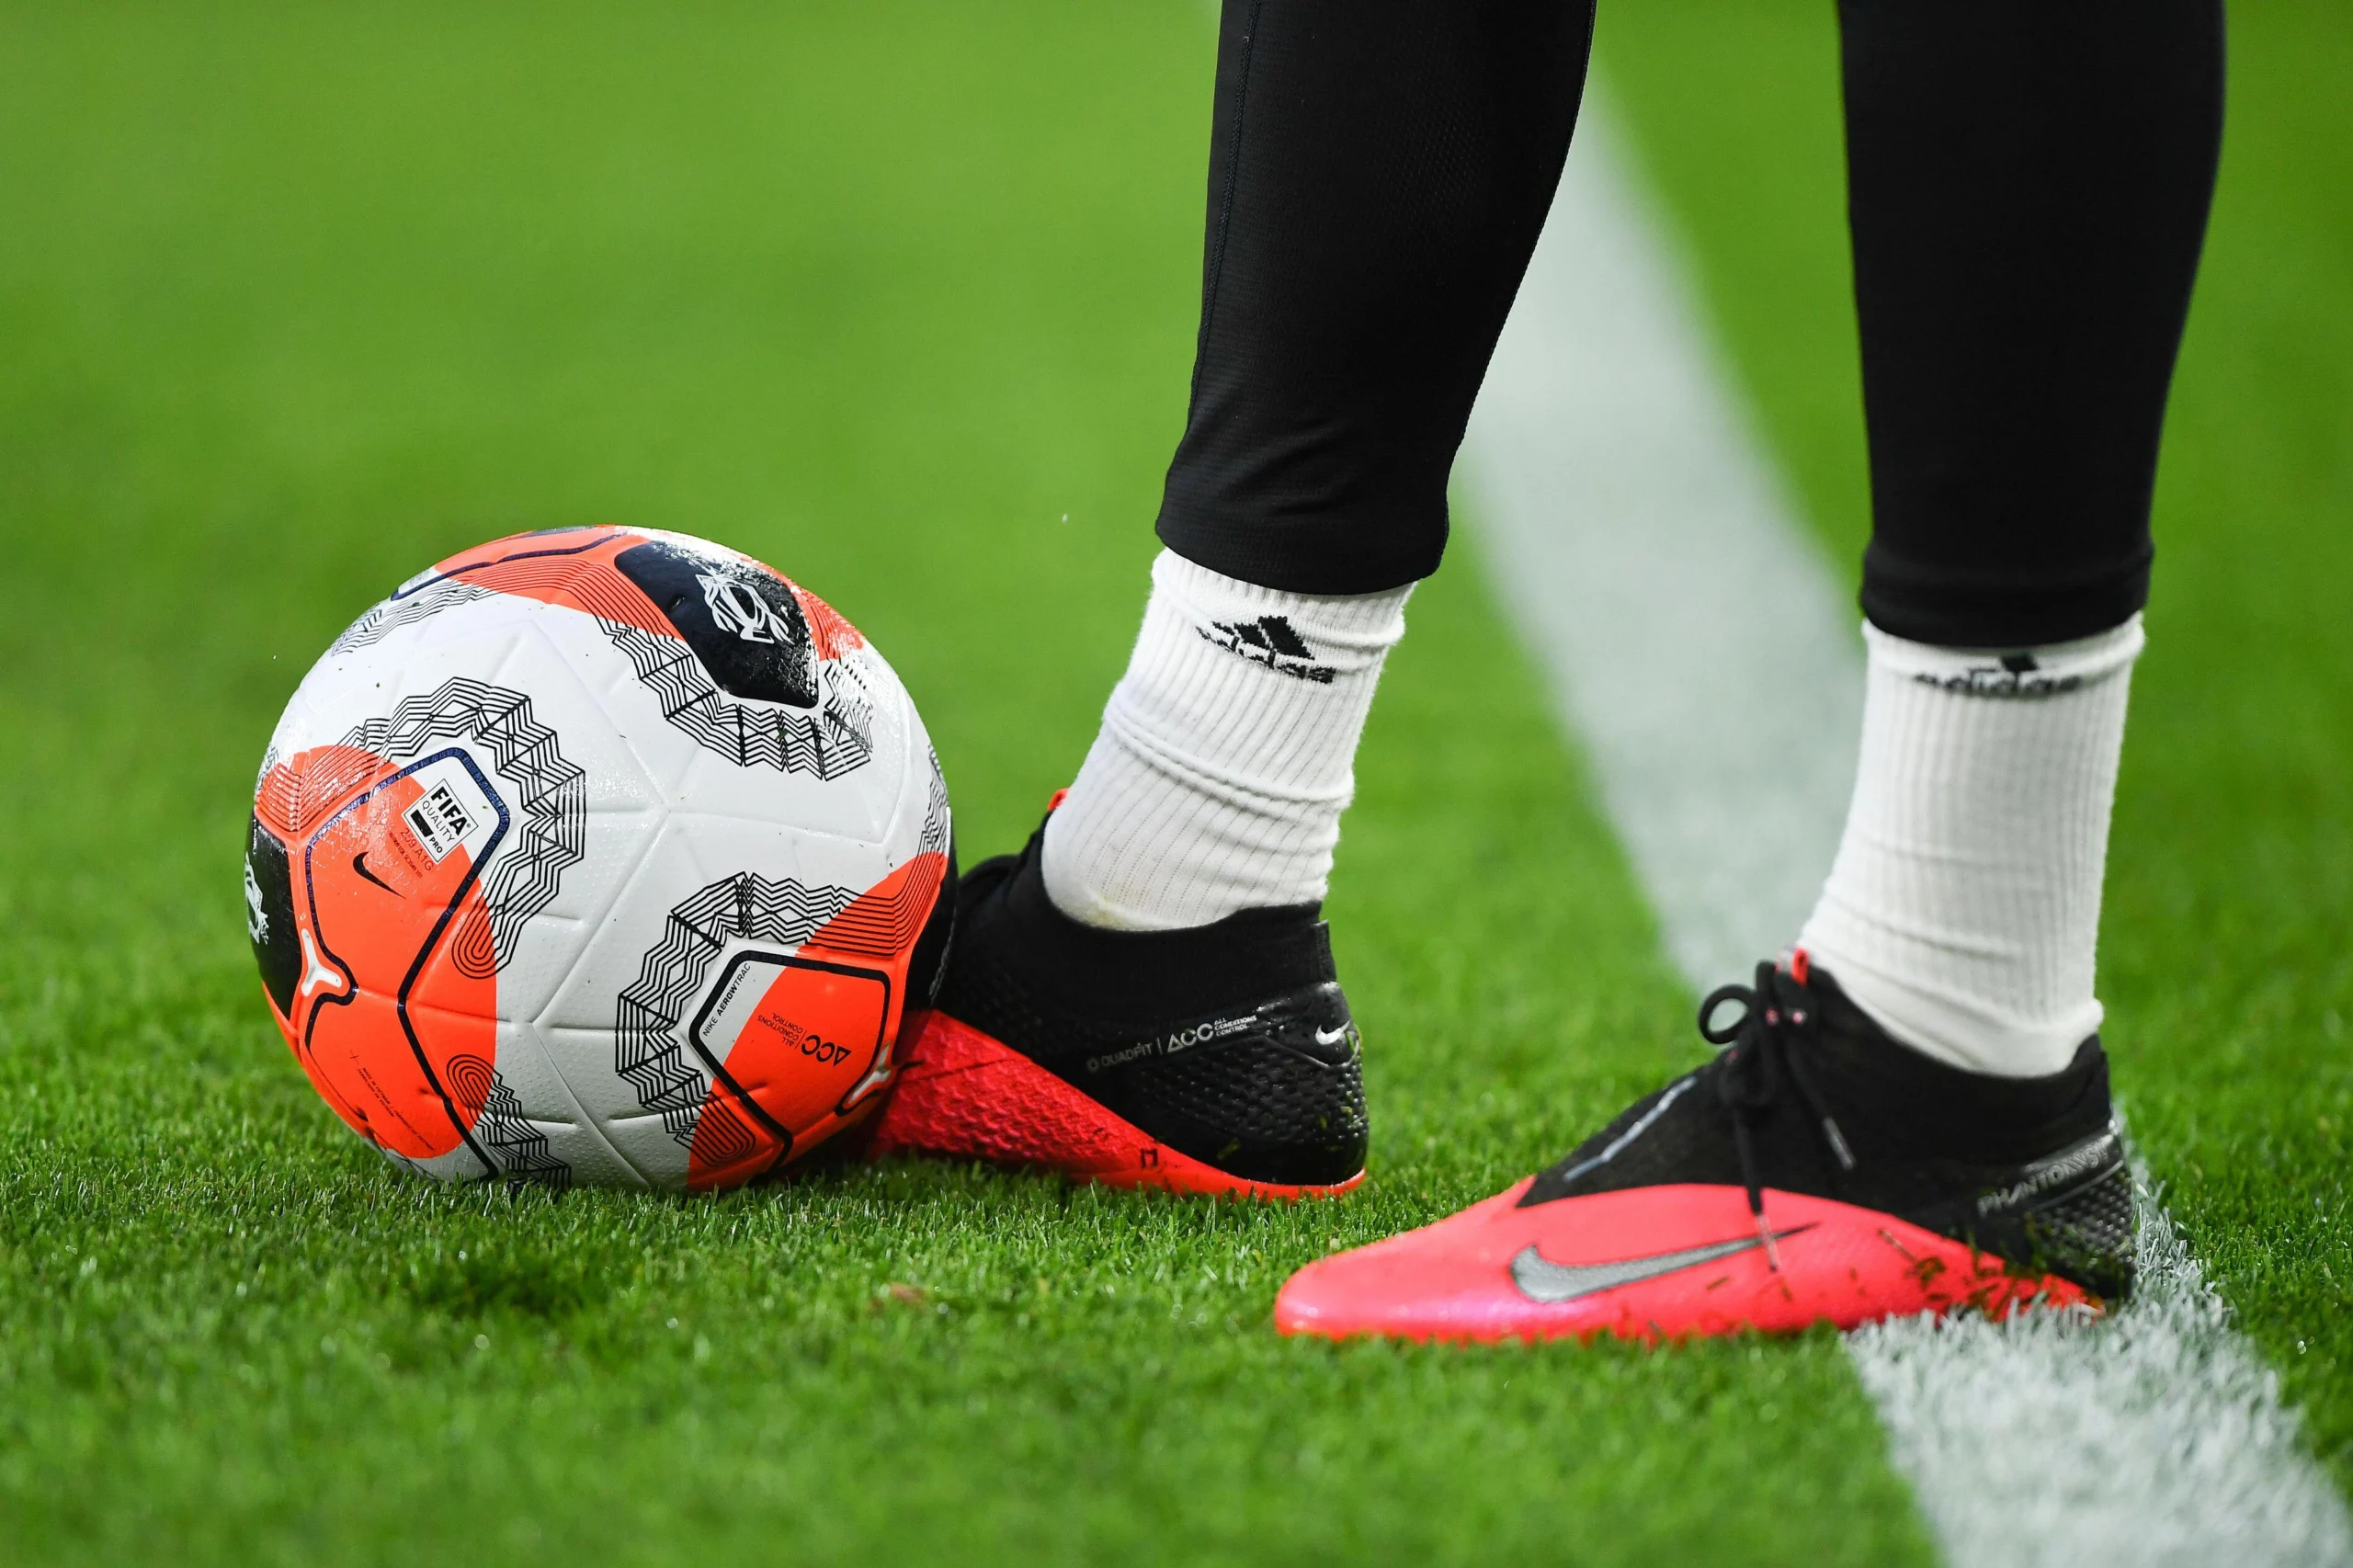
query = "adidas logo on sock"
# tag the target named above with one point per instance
(2017, 675)
(1270, 641)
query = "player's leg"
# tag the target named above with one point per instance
(2022, 289)
(1911, 1111)
(1147, 993)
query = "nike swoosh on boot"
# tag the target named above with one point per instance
(1541, 1280)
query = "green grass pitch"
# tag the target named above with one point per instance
(294, 298)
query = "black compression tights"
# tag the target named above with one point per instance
(2029, 182)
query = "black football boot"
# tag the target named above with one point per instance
(1218, 1059)
(1816, 1170)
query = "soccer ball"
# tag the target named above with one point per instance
(600, 855)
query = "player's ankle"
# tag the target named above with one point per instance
(1226, 754)
(1961, 1031)
(1962, 913)
(1931, 1105)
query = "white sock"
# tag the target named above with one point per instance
(1963, 909)
(1226, 756)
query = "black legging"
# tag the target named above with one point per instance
(2029, 183)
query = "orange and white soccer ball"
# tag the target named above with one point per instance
(600, 855)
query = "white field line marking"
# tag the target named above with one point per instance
(1641, 542)
(2157, 1437)
(1700, 651)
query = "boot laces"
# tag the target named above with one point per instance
(1756, 1059)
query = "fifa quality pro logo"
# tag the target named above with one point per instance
(440, 821)
(736, 608)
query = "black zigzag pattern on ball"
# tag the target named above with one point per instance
(838, 738)
(405, 607)
(521, 881)
(650, 1049)
(883, 928)
(935, 812)
(650, 1044)
(519, 1149)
